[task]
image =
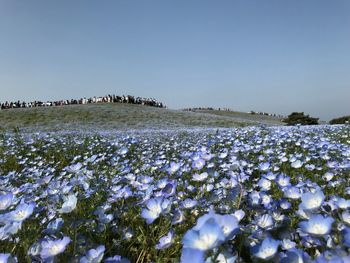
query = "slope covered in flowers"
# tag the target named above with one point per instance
(240, 195)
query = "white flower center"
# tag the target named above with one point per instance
(267, 251)
(20, 214)
(205, 242)
(314, 203)
(55, 249)
(318, 228)
(155, 211)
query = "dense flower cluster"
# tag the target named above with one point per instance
(255, 194)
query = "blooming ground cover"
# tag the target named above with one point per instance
(241, 195)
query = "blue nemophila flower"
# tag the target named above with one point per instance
(264, 166)
(192, 255)
(169, 189)
(283, 180)
(265, 221)
(51, 248)
(223, 257)
(285, 205)
(74, 168)
(345, 217)
(5, 201)
(239, 215)
(116, 259)
(254, 198)
(317, 225)
(154, 207)
(70, 202)
(174, 167)
(312, 201)
(145, 179)
(308, 241)
(21, 213)
(198, 164)
(7, 258)
(200, 177)
(343, 203)
(270, 175)
(332, 164)
(346, 237)
(295, 256)
(292, 192)
(94, 255)
(166, 241)
(54, 226)
(267, 249)
(189, 203)
(287, 244)
(123, 192)
(328, 176)
(9, 229)
(297, 164)
(123, 150)
(178, 217)
(223, 155)
(310, 167)
(264, 184)
(208, 187)
(209, 232)
(161, 183)
(228, 223)
(127, 233)
(105, 218)
(283, 159)
(208, 236)
(333, 257)
(266, 200)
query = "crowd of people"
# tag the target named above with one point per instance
(206, 109)
(266, 114)
(104, 99)
(228, 109)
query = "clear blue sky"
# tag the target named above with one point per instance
(275, 56)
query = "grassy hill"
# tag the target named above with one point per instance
(244, 116)
(117, 116)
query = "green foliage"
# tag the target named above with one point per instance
(300, 118)
(341, 120)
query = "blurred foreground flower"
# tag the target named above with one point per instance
(210, 231)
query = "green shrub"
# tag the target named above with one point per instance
(341, 120)
(300, 118)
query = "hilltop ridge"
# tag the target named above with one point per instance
(119, 116)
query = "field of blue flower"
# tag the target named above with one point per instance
(241, 195)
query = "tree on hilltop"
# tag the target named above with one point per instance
(300, 118)
(341, 120)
